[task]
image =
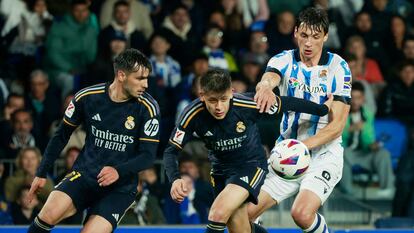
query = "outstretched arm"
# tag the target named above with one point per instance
(265, 98)
(287, 103)
(337, 119)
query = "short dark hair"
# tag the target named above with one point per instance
(78, 2)
(121, 3)
(407, 38)
(13, 95)
(358, 86)
(215, 80)
(314, 18)
(130, 60)
(14, 114)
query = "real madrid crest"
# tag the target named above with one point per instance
(129, 123)
(240, 127)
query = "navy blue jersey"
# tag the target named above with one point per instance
(231, 141)
(122, 135)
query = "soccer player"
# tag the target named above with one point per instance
(122, 125)
(226, 122)
(310, 73)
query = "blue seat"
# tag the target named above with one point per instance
(393, 135)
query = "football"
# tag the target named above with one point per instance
(290, 159)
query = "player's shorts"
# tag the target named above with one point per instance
(250, 176)
(324, 172)
(108, 203)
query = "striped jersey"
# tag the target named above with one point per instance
(331, 75)
(116, 132)
(231, 141)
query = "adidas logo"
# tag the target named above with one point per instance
(96, 117)
(245, 179)
(208, 134)
(116, 216)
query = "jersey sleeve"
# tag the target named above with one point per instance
(74, 112)
(342, 83)
(279, 63)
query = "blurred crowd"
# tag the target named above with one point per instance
(51, 49)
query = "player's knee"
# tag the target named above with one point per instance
(49, 216)
(218, 215)
(302, 217)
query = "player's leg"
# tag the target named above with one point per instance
(324, 173)
(264, 203)
(107, 212)
(63, 202)
(239, 222)
(57, 207)
(229, 200)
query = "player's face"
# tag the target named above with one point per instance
(136, 83)
(310, 42)
(217, 104)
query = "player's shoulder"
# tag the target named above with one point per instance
(285, 54)
(191, 112)
(149, 103)
(91, 90)
(244, 100)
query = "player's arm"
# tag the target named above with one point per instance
(56, 144)
(179, 137)
(339, 109)
(337, 119)
(147, 150)
(265, 98)
(287, 103)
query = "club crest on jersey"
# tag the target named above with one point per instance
(323, 74)
(240, 127)
(129, 123)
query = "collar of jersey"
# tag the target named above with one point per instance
(322, 61)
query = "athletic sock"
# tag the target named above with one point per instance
(215, 227)
(39, 226)
(318, 225)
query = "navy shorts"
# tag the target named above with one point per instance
(106, 202)
(250, 176)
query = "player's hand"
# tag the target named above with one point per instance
(329, 101)
(264, 98)
(107, 176)
(179, 190)
(37, 184)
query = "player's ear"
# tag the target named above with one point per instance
(121, 75)
(325, 38)
(295, 32)
(201, 94)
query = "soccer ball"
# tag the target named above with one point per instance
(290, 159)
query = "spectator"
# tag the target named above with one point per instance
(147, 210)
(280, 32)
(177, 27)
(395, 45)
(361, 148)
(188, 89)
(164, 66)
(217, 58)
(21, 137)
(140, 15)
(27, 162)
(258, 46)
(365, 68)
(70, 157)
(239, 84)
(397, 99)
(70, 46)
(24, 211)
(40, 100)
(251, 70)
(254, 12)
(101, 70)
(408, 48)
(5, 215)
(122, 22)
(14, 102)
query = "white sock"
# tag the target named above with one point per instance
(318, 225)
